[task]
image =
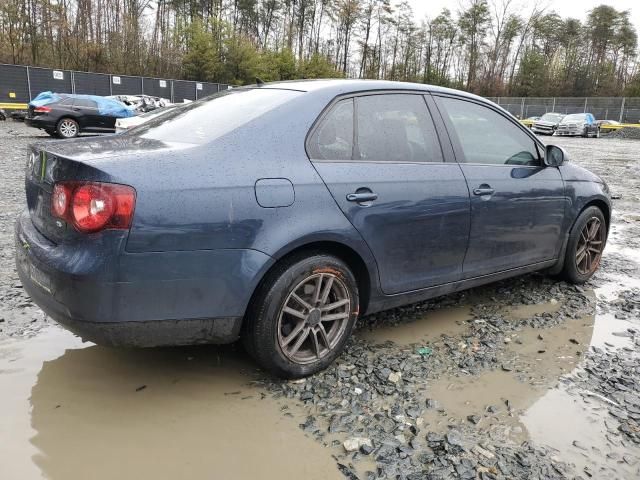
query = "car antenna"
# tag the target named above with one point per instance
(259, 82)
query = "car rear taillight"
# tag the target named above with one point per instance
(94, 206)
(42, 109)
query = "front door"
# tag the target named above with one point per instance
(380, 157)
(517, 204)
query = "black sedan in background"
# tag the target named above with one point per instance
(70, 116)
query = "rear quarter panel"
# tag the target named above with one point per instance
(203, 197)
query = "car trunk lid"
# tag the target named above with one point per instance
(42, 168)
(89, 159)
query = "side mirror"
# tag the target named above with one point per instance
(554, 156)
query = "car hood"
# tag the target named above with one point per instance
(544, 123)
(572, 123)
(88, 149)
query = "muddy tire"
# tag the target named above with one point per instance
(585, 245)
(68, 128)
(302, 315)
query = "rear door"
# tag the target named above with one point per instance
(517, 204)
(381, 158)
(86, 111)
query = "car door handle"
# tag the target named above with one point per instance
(483, 190)
(362, 197)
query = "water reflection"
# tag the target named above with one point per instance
(158, 413)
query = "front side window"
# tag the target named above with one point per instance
(486, 137)
(395, 128)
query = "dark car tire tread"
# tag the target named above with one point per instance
(570, 271)
(259, 334)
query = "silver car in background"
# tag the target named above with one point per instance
(547, 124)
(579, 124)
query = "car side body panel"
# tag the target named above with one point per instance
(201, 241)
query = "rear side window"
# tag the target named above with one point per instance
(395, 128)
(333, 139)
(377, 128)
(205, 120)
(83, 102)
(486, 137)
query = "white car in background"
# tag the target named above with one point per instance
(142, 103)
(124, 124)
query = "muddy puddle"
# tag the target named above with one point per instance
(527, 399)
(75, 410)
(83, 411)
(428, 328)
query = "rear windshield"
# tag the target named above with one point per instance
(205, 120)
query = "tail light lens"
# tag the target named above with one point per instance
(94, 206)
(42, 109)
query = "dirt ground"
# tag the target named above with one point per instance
(529, 378)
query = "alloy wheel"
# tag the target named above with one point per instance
(68, 128)
(590, 246)
(313, 318)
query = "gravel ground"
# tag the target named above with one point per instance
(461, 399)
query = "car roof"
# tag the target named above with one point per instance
(345, 86)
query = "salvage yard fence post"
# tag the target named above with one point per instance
(622, 109)
(19, 84)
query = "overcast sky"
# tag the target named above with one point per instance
(565, 8)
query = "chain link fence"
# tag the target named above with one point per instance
(19, 84)
(621, 109)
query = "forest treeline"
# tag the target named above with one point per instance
(491, 47)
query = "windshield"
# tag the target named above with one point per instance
(576, 117)
(552, 117)
(205, 120)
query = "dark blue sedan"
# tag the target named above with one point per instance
(280, 213)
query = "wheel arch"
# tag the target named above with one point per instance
(602, 205)
(70, 117)
(340, 250)
(594, 202)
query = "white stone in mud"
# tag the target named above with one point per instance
(394, 377)
(353, 444)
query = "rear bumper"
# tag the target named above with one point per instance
(143, 299)
(41, 123)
